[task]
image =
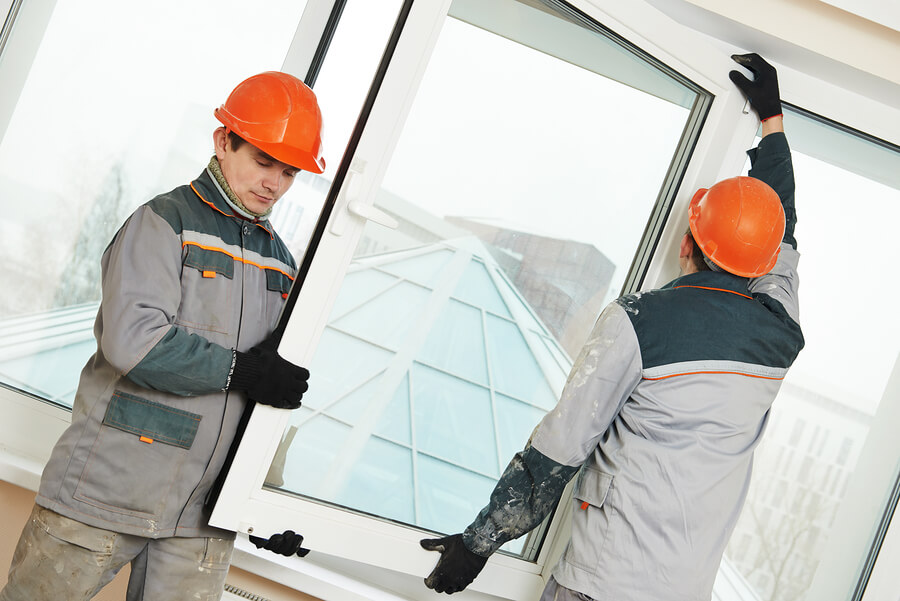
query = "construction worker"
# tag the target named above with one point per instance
(193, 284)
(665, 403)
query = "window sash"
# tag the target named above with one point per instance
(244, 502)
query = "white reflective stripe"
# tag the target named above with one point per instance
(236, 252)
(697, 367)
(210, 241)
(268, 262)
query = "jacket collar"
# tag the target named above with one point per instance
(716, 280)
(207, 190)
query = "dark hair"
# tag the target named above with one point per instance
(236, 140)
(697, 254)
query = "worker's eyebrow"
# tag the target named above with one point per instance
(265, 156)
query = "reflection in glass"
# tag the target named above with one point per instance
(520, 207)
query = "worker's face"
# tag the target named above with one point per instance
(257, 179)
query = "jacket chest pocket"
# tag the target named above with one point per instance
(137, 456)
(590, 519)
(278, 287)
(207, 289)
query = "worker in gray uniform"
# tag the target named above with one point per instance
(665, 403)
(193, 284)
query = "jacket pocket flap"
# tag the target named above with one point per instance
(153, 421)
(209, 259)
(592, 486)
(277, 281)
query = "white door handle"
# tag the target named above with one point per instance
(371, 213)
(350, 190)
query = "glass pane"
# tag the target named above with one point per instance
(520, 212)
(456, 342)
(341, 86)
(387, 317)
(454, 421)
(332, 379)
(848, 202)
(109, 117)
(422, 269)
(447, 494)
(138, 121)
(383, 476)
(475, 287)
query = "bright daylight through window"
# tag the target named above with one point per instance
(132, 139)
(811, 489)
(130, 125)
(520, 213)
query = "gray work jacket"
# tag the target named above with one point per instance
(660, 416)
(185, 282)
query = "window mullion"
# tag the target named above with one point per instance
(23, 31)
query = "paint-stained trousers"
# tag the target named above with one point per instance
(59, 558)
(554, 591)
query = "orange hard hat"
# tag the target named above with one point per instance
(278, 114)
(739, 224)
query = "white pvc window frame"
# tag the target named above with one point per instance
(349, 541)
(356, 555)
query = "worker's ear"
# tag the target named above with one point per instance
(685, 251)
(220, 141)
(687, 247)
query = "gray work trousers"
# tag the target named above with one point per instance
(554, 591)
(60, 558)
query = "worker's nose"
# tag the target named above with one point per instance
(272, 179)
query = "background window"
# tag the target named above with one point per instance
(111, 116)
(848, 204)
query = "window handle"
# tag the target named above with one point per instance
(371, 213)
(354, 206)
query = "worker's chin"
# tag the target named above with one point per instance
(258, 205)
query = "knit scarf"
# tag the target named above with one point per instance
(230, 197)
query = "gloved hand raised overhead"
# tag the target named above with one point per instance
(268, 378)
(457, 566)
(762, 92)
(287, 543)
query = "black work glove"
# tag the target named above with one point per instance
(287, 543)
(457, 567)
(267, 378)
(762, 92)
